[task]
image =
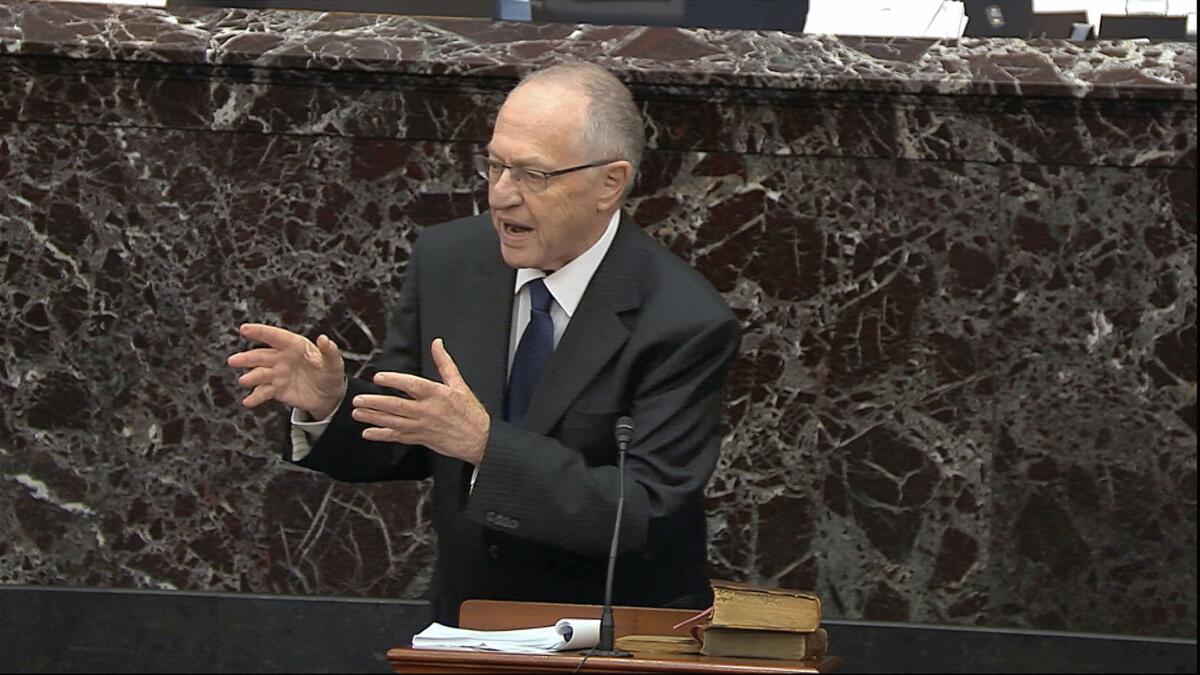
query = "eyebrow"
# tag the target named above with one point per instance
(524, 162)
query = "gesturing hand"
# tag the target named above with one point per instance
(291, 369)
(443, 416)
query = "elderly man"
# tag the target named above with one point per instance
(520, 337)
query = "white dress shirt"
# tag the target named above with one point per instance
(566, 285)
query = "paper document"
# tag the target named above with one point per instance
(887, 18)
(564, 635)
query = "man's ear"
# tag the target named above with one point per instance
(612, 187)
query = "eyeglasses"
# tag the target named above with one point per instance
(532, 180)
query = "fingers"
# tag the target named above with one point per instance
(254, 358)
(445, 365)
(259, 396)
(389, 436)
(277, 339)
(390, 405)
(443, 416)
(327, 347)
(331, 357)
(256, 377)
(260, 332)
(390, 428)
(417, 387)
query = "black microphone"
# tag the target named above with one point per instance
(624, 434)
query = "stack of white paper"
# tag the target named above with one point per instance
(564, 635)
(887, 18)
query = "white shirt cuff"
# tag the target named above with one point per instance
(306, 431)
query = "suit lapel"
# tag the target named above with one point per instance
(484, 360)
(595, 333)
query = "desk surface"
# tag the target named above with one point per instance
(409, 660)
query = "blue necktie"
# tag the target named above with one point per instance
(537, 344)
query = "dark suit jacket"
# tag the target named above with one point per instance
(650, 339)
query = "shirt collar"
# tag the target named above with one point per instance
(568, 283)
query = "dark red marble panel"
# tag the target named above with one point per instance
(699, 118)
(1094, 462)
(859, 405)
(722, 58)
(125, 274)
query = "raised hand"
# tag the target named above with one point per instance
(291, 369)
(445, 416)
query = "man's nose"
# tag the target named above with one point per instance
(503, 192)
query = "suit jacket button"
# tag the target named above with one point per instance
(494, 551)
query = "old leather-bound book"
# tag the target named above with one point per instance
(766, 644)
(738, 605)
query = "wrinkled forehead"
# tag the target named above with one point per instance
(552, 95)
(540, 120)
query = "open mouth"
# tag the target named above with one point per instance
(516, 229)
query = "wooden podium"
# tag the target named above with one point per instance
(495, 615)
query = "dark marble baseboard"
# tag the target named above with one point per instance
(62, 630)
(45, 629)
(965, 273)
(885, 647)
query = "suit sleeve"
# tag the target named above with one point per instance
(341, 451)
(548, 494)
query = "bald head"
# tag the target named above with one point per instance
(611, 127)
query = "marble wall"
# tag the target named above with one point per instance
(967, 391)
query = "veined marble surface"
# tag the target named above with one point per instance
(659, 55)
(965, 271)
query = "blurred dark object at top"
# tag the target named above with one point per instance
(785, 15)
(475, 8)
(1154, 27)
(996, 18)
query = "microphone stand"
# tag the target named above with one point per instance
(624, 433)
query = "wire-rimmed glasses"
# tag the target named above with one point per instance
(533, 180)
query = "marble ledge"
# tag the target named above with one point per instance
(644, 55)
